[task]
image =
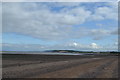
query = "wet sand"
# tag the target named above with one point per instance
(59, 66)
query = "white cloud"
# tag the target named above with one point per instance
(114, 32)
(75, 44)
(64, 4)
(22, 47)
(116, 43)
(68, 45)
(0, 18)
(99, 33)
(41, 23)
(60, 0)
(102, 13)
(94, 45)
(37, 20)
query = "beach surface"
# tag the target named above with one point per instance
(59, 66)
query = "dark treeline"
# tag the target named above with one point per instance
(74, 51)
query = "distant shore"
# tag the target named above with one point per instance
(61, 52)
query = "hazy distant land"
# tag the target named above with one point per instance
(64, 52)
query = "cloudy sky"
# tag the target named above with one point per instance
(60, 25)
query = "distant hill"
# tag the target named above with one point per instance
(74, 51)
(69, 51)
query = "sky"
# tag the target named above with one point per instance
(39, 26)
(60, 0)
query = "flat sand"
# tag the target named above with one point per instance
(59, 66)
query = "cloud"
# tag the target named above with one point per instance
(0, 18)
(64, 4)
(39, 21)
(42, 23)
(75, 46)
(99, 33)
(102, 13)
(60, 1)
(94, 45)
(114, 32)
(83, 47)
(22, 47)
(64, 46)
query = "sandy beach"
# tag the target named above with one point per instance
(59, 66)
